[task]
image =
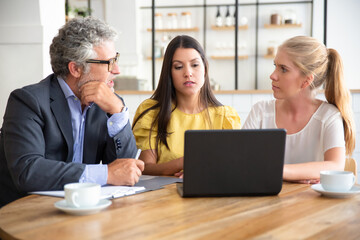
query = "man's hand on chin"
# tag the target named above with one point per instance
(102, 94)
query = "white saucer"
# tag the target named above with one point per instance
(353, 191)
(104, 203)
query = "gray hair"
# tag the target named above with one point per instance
(76, 41)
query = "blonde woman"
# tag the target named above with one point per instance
(319, 134)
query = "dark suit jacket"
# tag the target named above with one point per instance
(36, 142)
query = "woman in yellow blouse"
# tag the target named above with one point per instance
(183, 100)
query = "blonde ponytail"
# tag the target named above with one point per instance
(336, 93)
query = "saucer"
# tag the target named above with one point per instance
(346, 194)
(104, 203)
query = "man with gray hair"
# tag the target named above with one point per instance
(61, 129)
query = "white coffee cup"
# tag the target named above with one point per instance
(339, 181)
(81, 195)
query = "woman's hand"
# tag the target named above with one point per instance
(306, 181)
(179, 174)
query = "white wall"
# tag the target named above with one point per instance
(344, 36)
(26, 30)
(122, 16)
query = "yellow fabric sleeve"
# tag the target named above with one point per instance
(231, 119)
(142, 127)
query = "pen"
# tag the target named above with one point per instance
(138, 154)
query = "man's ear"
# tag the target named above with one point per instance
(309, 79)
(74, 70)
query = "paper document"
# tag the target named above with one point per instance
(106, 192)
(146, 183)
(119, 191)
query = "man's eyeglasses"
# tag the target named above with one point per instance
(111, 62)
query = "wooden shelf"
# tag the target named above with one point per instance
(194, 29)
(243, 27)
(269, 56)
(243, 57)
(283, 25)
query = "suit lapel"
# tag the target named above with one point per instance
(61, 111)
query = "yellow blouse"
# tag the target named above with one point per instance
(222, 117)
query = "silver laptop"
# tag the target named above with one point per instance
(233, 162)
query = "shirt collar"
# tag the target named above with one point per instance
(67, 90)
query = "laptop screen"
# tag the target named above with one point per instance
(233, 162)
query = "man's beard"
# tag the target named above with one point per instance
(84, 79)
(88, 78)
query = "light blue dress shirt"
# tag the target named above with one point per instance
(96, 173)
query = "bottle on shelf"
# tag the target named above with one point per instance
(272, 48)
(186, 20)
(214, 85)
(243, 21)
(290, 17)
(275, 18)
(157, 49)
(218, 20)
(172, 21)
(165, 41)
(242, 48)
(228, 18)
(158, 21)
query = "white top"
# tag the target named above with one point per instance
(324, 131)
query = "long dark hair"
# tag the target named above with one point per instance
(165, 93)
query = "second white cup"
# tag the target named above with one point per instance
(81, 195)
(339, 181)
